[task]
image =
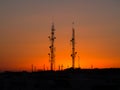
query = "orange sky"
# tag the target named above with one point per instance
(26, 25)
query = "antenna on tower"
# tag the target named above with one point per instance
(52, 48)
(73, 46)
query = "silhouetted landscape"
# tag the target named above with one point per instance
(68, 79)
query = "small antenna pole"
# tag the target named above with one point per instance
(78, 62)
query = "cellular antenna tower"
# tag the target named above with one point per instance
(73, 47)
(52, 48)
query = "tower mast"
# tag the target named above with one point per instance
(73, 47)
(52, 48)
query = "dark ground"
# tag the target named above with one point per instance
(78, 79)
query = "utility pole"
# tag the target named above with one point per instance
(32, 68)
(73, 47)
(52, 48)
(44, 67)
(59, 67)
(62, 67)
(78, 62)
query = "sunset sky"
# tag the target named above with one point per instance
(26, 24)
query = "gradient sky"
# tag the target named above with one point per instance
(25, 26)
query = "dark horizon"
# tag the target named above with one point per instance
(70, 79)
